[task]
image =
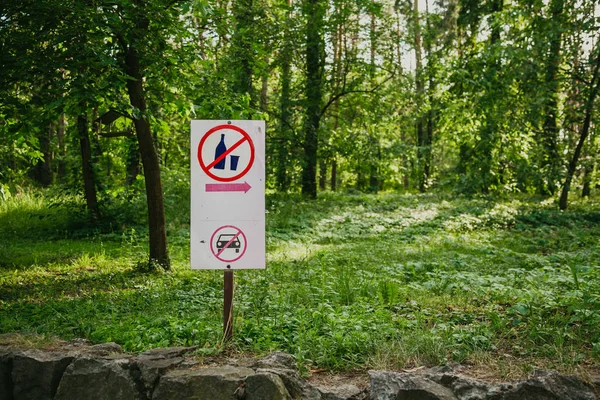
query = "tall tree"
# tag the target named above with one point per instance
(592, 92)
(489, 131)
(314, 12)
(285, 128)
(43, 169)
(548, 136)
(243, 47)
(420, 97)
(89, 182)
(132, 39)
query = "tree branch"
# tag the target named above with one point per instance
(127, 133)
(344, 92)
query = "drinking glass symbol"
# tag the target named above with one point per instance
(221, 148)
(234, 162)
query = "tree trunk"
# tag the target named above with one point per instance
(587, 181)
(264, 91)
(374, 162)
(132, 163)
(427, 158)
(61, 171)
(585, 129)
(96, 129)
(375, 153)
(428, 144)
(374, 182)
(322, 174)
(489, 128)
(89, 184)
(96, 148)
(43, 168)
(285, 104)
(314, 48)
(405, 164)
(550, 157)
(398, 43)
(360, 178)
(159, 252)
(242, 42)
(333, 175)
(420, 88)
(337, 43)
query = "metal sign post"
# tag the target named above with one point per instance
(227, 229)
(227, 305)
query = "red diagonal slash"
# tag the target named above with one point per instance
(226, 153)
(228, 243)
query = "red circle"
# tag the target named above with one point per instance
(204, 166)
(245, 243)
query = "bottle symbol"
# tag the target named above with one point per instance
(221, 148)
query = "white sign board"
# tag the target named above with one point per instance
(228, 194)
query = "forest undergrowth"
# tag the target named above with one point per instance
(353, 281)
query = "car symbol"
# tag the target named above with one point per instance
(226, 238)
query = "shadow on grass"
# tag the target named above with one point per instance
(65, 285)
(23, 254)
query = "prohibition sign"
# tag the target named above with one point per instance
(207, 168)
(232, 237)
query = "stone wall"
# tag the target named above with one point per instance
(103, 372)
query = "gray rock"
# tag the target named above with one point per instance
(542, 385)
(547, 385)
(6, 386)
(105, 349)
(464, 388)
(416, 387)
(98, 379)
(265, 386)
(277, 360)
(102, 373)
(566, 386)
(36, 374)
(169, 352)
(384, 385)
(297, 387)
(404, 386)
(595, 380)
(342, 392)
(151, 369)
(202, 384)
(187, 364)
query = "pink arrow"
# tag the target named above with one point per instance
(228, 187)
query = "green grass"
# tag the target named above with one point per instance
(352, 281)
